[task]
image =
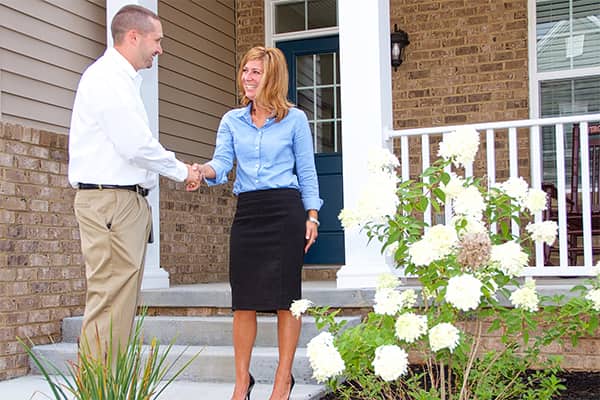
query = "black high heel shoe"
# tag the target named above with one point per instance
(291, 386)
(250, 386)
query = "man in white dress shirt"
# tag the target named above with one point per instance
(113, 161)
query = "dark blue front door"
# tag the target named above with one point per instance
(315, 88)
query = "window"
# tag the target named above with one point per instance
(567, 68)
(296, 16)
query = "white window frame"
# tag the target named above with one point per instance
(271, 37)
(535, 78)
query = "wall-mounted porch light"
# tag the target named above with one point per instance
(399, 40)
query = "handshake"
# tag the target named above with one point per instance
(196, 174)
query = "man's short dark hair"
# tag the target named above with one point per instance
(131, 17)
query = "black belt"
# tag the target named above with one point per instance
(135, 188)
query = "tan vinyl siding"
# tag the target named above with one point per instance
(196, 74)
(44, 48)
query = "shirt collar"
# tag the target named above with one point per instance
(122, 63)
(245, 115)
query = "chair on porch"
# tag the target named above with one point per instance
(574, 218)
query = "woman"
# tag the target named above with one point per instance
(276, 219)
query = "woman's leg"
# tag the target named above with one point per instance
(288, 331)
(244, 335)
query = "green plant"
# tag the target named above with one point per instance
(138, 373)
(475, 329)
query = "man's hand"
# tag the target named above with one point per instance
(193, 180)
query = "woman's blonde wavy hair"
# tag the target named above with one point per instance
(273, 88)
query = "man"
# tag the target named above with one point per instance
(113, 162)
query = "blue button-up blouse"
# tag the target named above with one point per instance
(277, 155)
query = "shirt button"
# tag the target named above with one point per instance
(256, 181)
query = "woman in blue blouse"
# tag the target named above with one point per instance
(276, 218)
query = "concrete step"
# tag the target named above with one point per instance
(34, 387)
(213, 364)
(322, 293)
(204, 331)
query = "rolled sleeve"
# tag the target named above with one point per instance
(305, 165)
(222, 161)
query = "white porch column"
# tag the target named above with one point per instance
(154, 276)
(364, 28)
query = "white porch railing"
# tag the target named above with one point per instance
(494, 131)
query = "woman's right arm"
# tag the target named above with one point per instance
(215, 171)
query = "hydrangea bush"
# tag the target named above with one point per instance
(475, 329)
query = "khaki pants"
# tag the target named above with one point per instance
(114, 226)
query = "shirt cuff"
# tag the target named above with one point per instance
(312, 204)
(182, 172)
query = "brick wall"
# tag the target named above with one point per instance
(250, 30)
(467, 62)
(41, 278)
(194, 240)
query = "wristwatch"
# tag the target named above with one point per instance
(315, 221)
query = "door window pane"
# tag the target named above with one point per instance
(304, 71)
(322, 13)
(325, 137)
(567, 34)
(325, 69)
(325, 103)
(306, 102)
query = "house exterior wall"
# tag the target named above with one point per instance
(44, 48)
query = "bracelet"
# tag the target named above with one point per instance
(314, 221)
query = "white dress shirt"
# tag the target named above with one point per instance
(110, 141)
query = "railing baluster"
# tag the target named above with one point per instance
(535, 167)
(560, 183)
(513, 159)
(491, 162)
(585, 195)
(405, 158)
(425, 156)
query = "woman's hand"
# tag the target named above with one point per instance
(312, 230)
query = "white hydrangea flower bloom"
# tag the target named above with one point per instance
(324, 358)
(420, 253)
(517, 188)
(509, 256)
(460, 145)
(442, 239)
(454, 187)
(545, 231)
(387, 280)
(464, 292)
(526, 297)
(408, 298)
(594, 296)
(536, 200)
(377, 200)
(443, 336)
(349, 218)
(390, 362)
(410, 326)
(469, 202)
(387, 301)
(381, 159)
(299, 307)
(474, 224)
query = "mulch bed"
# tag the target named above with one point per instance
(580, 386)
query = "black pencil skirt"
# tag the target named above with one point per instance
(267, 250)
